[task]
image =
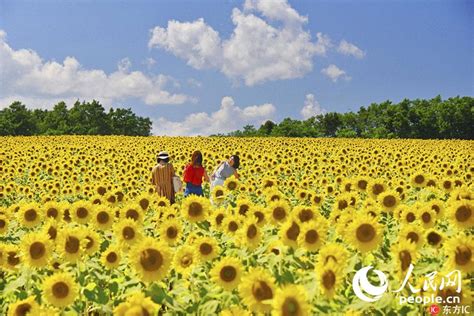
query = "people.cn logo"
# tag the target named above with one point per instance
(364, 289)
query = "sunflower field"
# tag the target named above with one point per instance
(82, 231)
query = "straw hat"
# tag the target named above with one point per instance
(163, 155)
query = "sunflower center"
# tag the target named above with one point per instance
(30, 215)
(463, 255)
(413, 237)
(144, 203)
(410, 217)
(219, 219)
(228, 273)
(290, 307)
(233, 226)
(311, 236)
(342, 204)
(82, 212)
(37, 250)
(219, 193)
(151, 259)
(405, 259)
(161, 204)
(232, 185)
(205, 248)
(279, 213)
(111, 199)
(463, 213)
(365, 233)
(251, 231)
(2, 223)
(60, 289)
(243, 209)
(389, 201)
(22, 309)
(13, 259)
(426, 217)
(133, 214)
(436, 208)
(72, 244)
(103, 217)
(171, 232)
(305, 215)
(101, 190)
(259, 215)
(362, 184)
(90, 242)
(128, 233)
(186, 260)
(434, 238)
(447, 184)
(111, 257)
(52, 212)
(195, 209)
(261, 291)
(377, 189)
(293, 232)
(329, 279)
(419, 179)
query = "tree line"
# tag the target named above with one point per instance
(86, 118)
(449, 119)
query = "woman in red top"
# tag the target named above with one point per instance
(194, 174)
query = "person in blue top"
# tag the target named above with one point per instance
(224, 170)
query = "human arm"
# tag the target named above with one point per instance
(206, 177)
(236, 175)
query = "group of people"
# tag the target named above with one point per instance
(193, 176)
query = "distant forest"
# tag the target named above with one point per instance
(449, 119)
(86, 118)
(436, 118)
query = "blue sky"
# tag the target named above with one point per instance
(244, 62)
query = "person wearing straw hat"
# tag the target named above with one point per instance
(162, 177)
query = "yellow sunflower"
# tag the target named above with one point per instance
(27, 306)
(461, 214)
(3, 224)
(364, 233)
(207, 248)
(218, 194)
(250, 234)
(404, 253)
(460, 251)
(434, 238)
(332, 253)
(427, 217)
(137, 304)
(81, 212)
(279, 211)
(103, 217)
(170, 231)
(388, 200)
(111, 257)
(313, 234)
(413, 233)
(195, 208)
(291, 300)
(128, 232)
(29, 215)
(60, 289)
(71, 243)
(36, 249)
(53, 210)
(151, 259)
(231, 184)
(330, 279)
(184, 260)
(257, 290)
(93, 241)
(289, 233)
(227, 273)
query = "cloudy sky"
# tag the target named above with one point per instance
(203, 67)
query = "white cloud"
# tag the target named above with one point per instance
(347, 48)
(194, 83)
(149, 62)
(311, 107)
(255, 52)
(227, 118)
(25, 76)
(334, 73)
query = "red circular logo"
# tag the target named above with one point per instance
(433, 309)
